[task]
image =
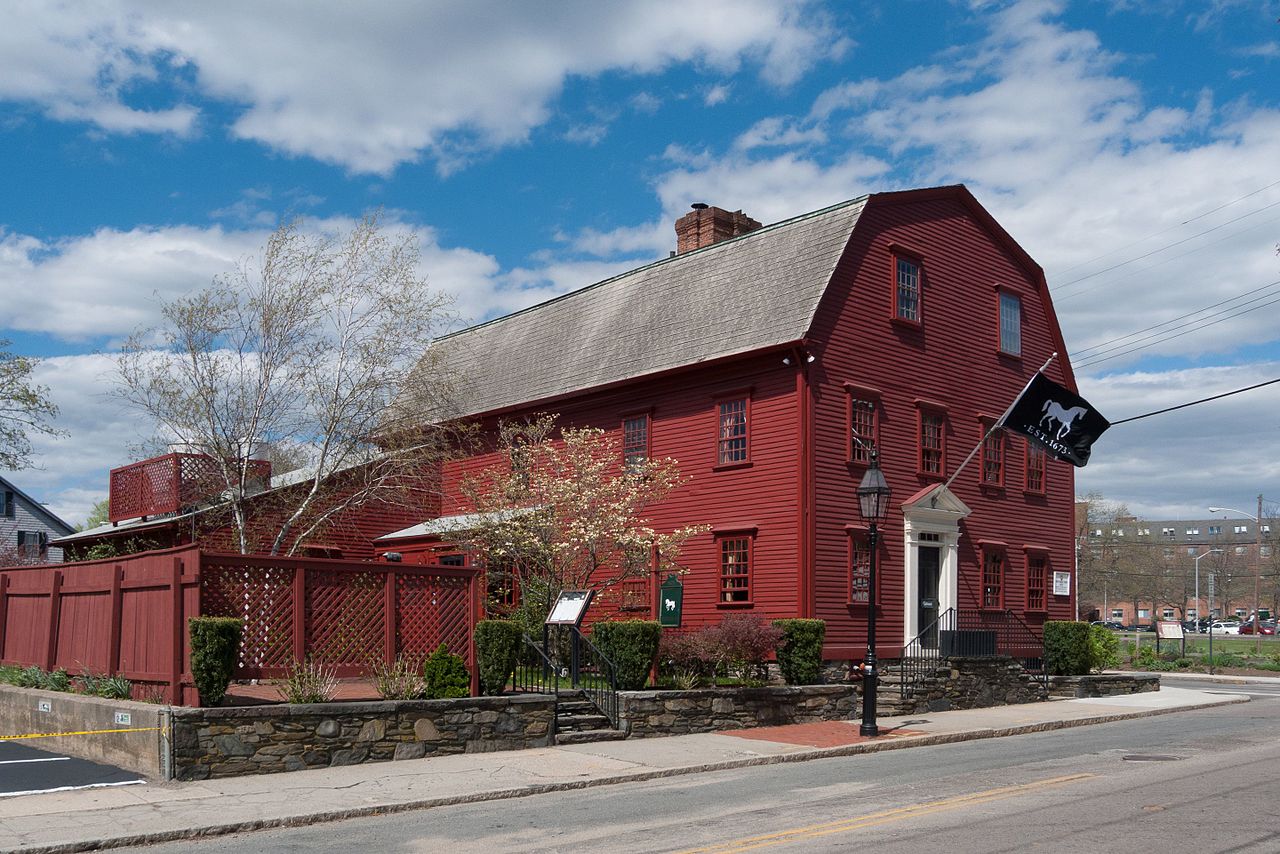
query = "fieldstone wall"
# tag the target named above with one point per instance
(966, 683)
(1103, 685)
(231, 742)
(647, 714)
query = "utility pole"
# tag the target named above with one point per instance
(1257, 583)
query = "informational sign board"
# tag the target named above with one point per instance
(670, 602)
(1169, 630)
(1062, 584)
(570, 608)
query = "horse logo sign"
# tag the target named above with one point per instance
(1062, 422)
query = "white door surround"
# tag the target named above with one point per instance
(930, 519)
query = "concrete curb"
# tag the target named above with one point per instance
(902, 743)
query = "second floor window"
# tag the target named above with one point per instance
(1035, 467)
(993, 458)
(907, 291)
(932, 443)
(635, 441)
(732, 441)
(862, 429)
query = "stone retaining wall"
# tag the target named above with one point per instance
(967, 683)
(647, 714)
(231, 742)
(1103, 685)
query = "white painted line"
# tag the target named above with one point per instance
(24, 761)
(70, 788)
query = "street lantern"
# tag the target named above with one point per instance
(873, 504)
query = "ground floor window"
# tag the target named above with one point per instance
(735, 569)
(1037, 572)
(993, 561)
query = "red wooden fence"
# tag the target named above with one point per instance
(128, 615)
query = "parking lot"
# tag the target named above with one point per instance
(28, 770)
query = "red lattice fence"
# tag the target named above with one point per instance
(129, 615)
(169, 484)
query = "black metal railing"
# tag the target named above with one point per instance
(566, 661)
(970, 634)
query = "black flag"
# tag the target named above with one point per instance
(1057, 419)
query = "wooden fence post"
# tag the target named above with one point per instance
(299, 613)
(55, 613)
(473, 612)
(175, 671)
(4, 611)
(117, 608)
(392, 616)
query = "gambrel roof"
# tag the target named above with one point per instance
(747, 293)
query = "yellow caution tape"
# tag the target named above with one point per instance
(81, 732)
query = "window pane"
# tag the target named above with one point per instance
(908, 290)
(1036, 576)
(1011, 324)
(861, 429)
(635, 440)
(993, 459)
(735, 569)
(1035, 468)
(992, 580)
(930, 443)
(859, 572)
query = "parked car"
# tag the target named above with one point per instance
(1264, 628)
(1225, 628)
(1110, 624)
(1141, 627)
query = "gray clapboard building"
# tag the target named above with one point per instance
(26, 527)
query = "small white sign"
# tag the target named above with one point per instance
(1169, 630)
(1062, 584)
(570, 608)
(124, 719)
(44, 706)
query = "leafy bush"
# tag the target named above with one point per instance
(1104, 648)
(400, 680)
(55, 680)
(498, 645)
(744, 640)
(215, 646)
(115, 688)
(29, 677)
(800, 650)
(445, 675)
(632, 646)
(686, 659)
(307, 682)
(1067, 649)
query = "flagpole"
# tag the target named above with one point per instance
(994, 427)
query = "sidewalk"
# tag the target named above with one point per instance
(103, 818)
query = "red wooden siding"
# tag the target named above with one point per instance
(953, 360)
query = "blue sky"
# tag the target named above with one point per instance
(1131, 147)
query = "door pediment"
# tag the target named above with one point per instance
(935, 505)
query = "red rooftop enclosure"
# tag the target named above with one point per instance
(172, 483)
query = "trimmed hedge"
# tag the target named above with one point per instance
(445, 675)
(1067, 648)
(215, 646)
(800, 650)
(498, 644)
(632, 646)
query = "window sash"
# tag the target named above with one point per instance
(993, 579)
(859, 571)
(735, 570)
(908, 290)
(1035, 467)
(732, 442)
(862, 429)
(931, 443)
(993, 458)
(1010, 324)
(1037, 579)
(635, 440)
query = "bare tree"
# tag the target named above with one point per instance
(311, 347)
(25, 408)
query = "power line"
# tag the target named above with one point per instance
(1195, 402)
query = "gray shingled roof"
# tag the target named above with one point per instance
(740, 295)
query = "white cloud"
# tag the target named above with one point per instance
(716, 95)
(388, 84)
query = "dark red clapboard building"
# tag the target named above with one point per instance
(767, 360)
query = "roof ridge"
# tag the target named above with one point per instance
(774, 226)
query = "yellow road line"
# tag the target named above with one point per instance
(81, 732)
(886, 817)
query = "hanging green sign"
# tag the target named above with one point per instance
(670, 602)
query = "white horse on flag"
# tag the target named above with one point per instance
(1066, 418)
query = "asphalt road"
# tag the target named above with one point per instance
(1199, 782)
(26, 770)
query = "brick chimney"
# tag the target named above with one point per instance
(705, 225)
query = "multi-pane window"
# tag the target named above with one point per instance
(1010, 324)
(993, 458)
(635, 594)
(735, 569)
(1035, 467)
(32, 545)
(859, 571)
(907, 293)
(635, 441)
(1037, 576)
(993, 578)
(862, 429)
(732, 443)
(932, 442)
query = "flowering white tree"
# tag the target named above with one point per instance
(568, 514)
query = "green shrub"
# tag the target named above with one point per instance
(632, 646)
(1066, 648)
(29, 677)
(498, 645)
(1104, 648)
(800, 650)
(445, 675)
(215, 647)
(55, 680)
(115, 688)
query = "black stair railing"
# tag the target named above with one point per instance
(568, 661)
(537, 673)
(596, 677)
(970, 634)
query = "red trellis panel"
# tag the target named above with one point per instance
(169, 484)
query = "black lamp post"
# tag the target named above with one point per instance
(873, 503)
